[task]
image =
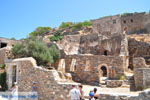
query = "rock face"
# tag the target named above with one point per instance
(47, 82)
(70, 44)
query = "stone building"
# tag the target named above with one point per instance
(135, 22)
(88, 58)
(107, 46)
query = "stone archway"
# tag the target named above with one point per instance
(103, 73)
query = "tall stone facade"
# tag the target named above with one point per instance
(136, 23)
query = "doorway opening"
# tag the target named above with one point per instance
(104, 71)
(105, 52)
(3, 45)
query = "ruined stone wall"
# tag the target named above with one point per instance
(138, 49)
(7, 41)
(134, 23)
(87, 68)
(94, 44)
(107, 25)
(89, 44)
(142, 78)
(141, 73)
(47, 81)
(147, 22)
(4, 54)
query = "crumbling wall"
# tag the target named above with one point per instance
(147, 22)
(47, 81)
(134, 23)
(141, 73)
(4, 54)
(7, 41)
(87, 67)
(138, 49)
(107, 25)
(95, 44)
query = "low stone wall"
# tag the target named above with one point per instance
(145, 95)
(114, 83)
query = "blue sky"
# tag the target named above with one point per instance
(20, 17)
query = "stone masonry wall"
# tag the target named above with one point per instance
(94, 44)
(87, 68)
(47, 81)
(134, 23)
(141, 73)
(4, 53)
(107, 25)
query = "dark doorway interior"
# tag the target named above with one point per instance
(105, 52)
(14, 72)
(3, 45)
(104, 70)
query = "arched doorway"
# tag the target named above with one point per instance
(104, 71)
(105, 52)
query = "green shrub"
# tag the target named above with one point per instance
(121, 77)
(126, 14)
(2, 66)
(139, 88)
(77, 26)
(81, 24)
(39, 31)
(3, 81)
(57, 36)
(65, 24)
(36, 49)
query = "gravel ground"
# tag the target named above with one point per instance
(114, 91)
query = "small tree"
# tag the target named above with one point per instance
(36, 49)
(39, 31)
